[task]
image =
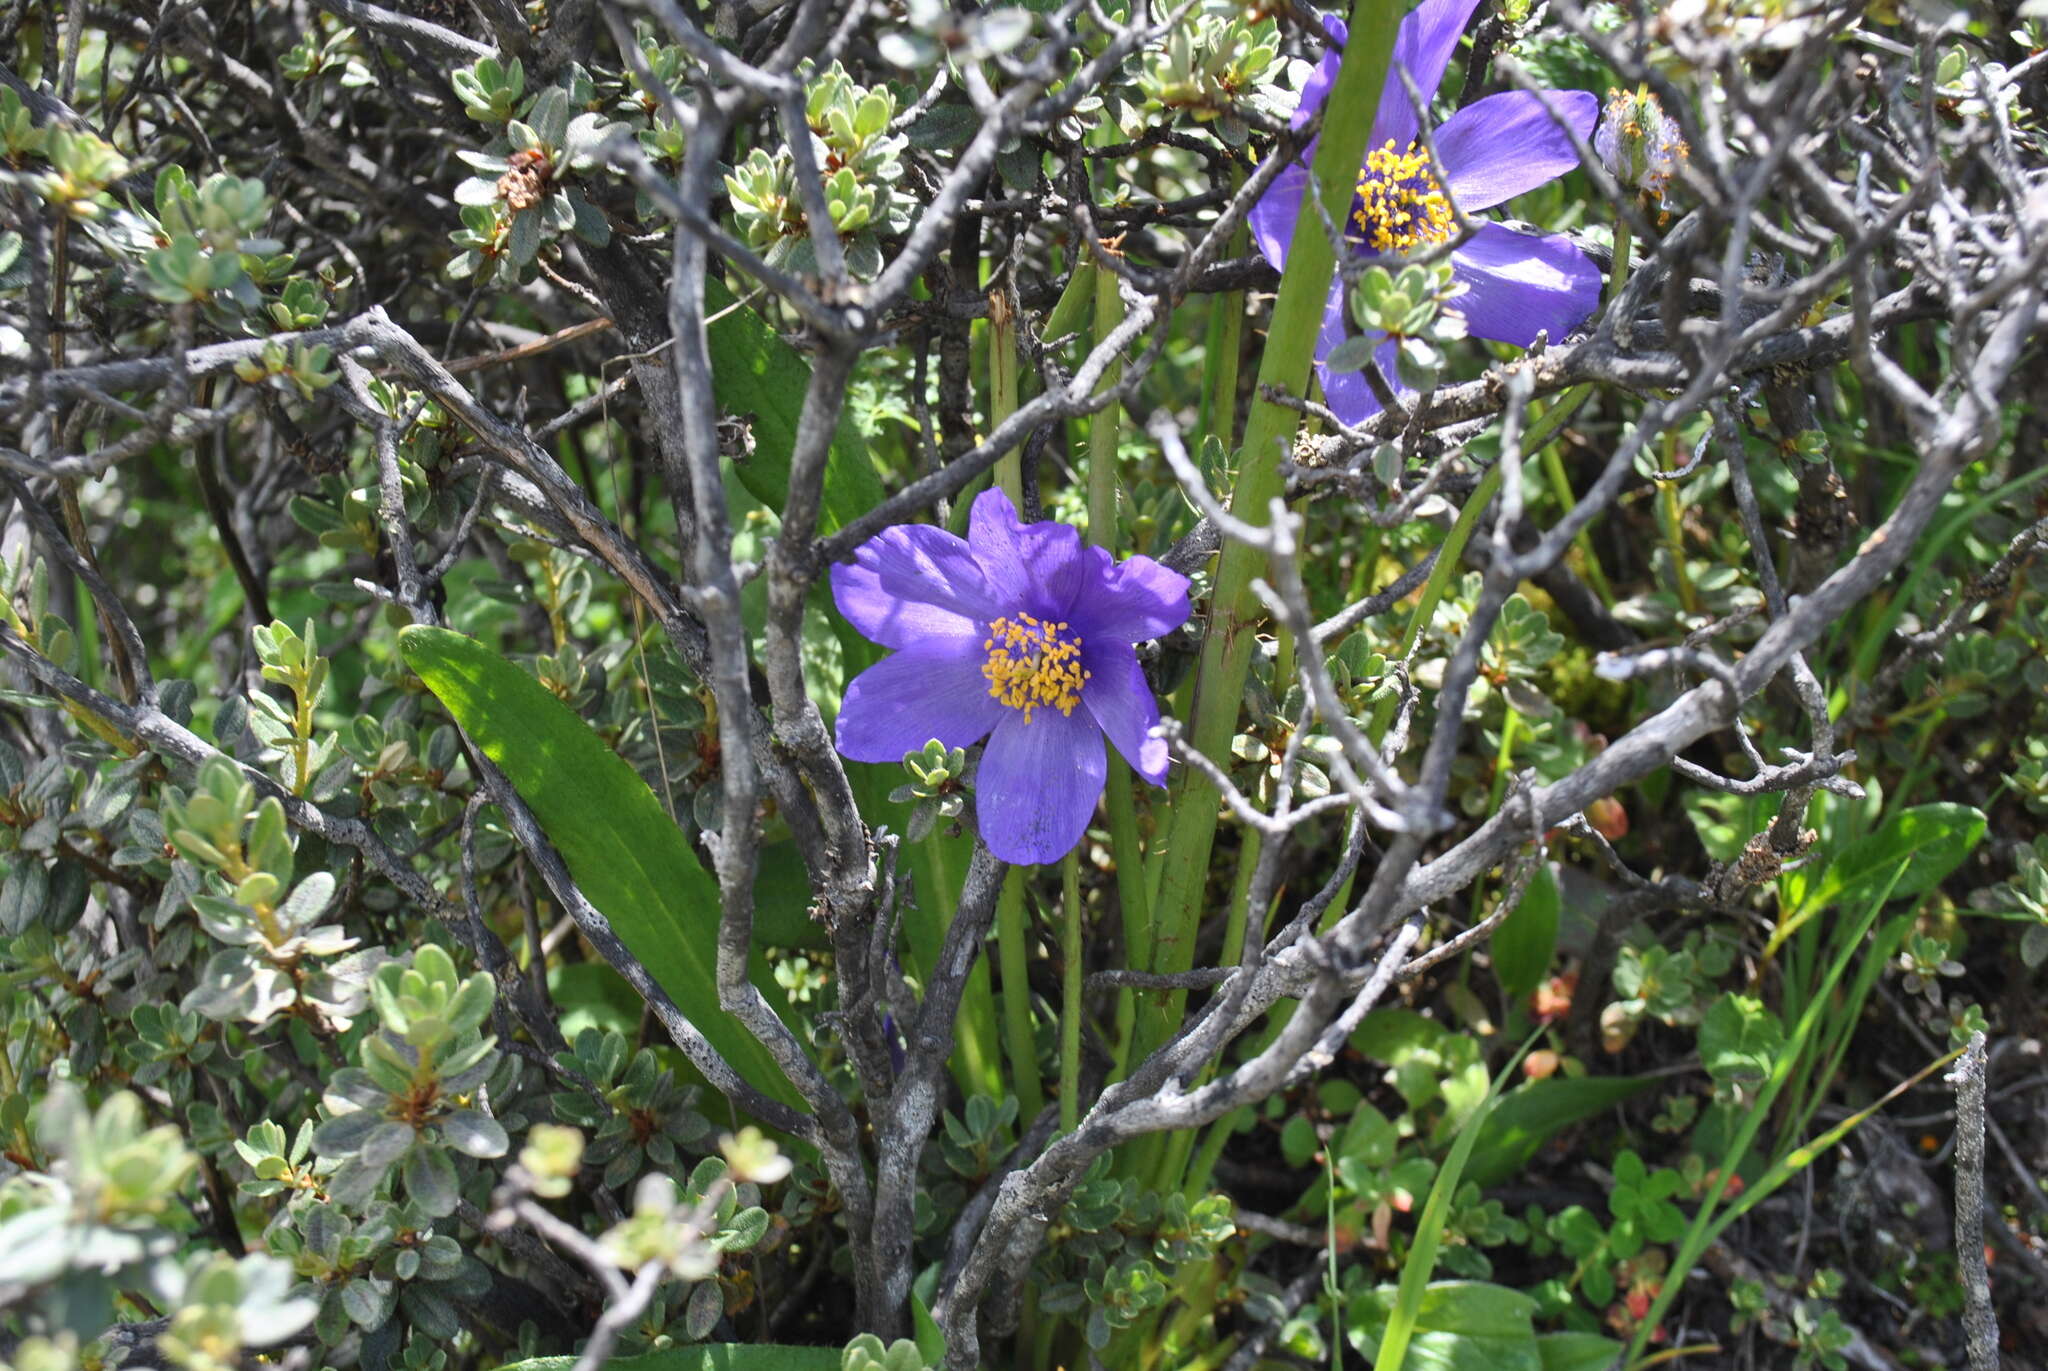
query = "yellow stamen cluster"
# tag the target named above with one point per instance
(1032, 663)
(1401, 205)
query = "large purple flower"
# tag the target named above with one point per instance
(1492, 150)
(1020, 635)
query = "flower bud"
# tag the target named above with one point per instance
(1640, 143)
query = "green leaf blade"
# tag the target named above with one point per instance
(623, 850)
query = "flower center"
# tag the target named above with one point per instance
(1400, 204)
(1033, 662)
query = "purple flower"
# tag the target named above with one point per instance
(1493, 150)
(1019, 635)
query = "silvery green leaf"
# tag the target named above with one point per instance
(547, 119)
(587, 136)
(429, 1178)
(999, 30)
(368, 1301)
(943, 128)
(591, 225)
(1352, 354)
(440, 1258)
(558, 215)
(474, 1133)
(1020, 164)
(524, 242)
(35, 1246)
(346, 1133)
(432, 1317)
(385, 1143)
(23, 895)
(1527, 700)
(308, 900)
(622, 1168)
(747, 1228)
(706, 1306)
(864, 258)
(904, 49)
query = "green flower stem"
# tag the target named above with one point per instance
(1502, 759)
(1018, 1039)
(1180, 1145)
(1203, 1166)
(999, 332)
(1105, 428)
(1012, 938)
(1240, 899)
(1269, 437)
(1447, 559)
(1071, 972)
(1366, 569)
(1224, 344)
(1002, 389)
(1617, 276)
(1196, 1293)
(1673, 511)
(1561, 487)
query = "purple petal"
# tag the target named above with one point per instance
(910, 582)
(1123, 704)
(1038, 784)
(1033, 567)
(1272, 218)
(1424, 46)
(1346, 392)
(1497, 148)
(1316, 89)
(932, 690)
(1127, 601)
(1522, 285)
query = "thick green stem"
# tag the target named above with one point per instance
(1618, 277)
(1071, 972)
(1501, 761)
(1172, 1167)
(1672, 510)
(1018, 1040)
(1002, 389)
(1225, 341)
(1105, 427)
(1269, 437)
(1561, 487)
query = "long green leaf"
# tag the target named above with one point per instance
(624, 851)
(1523, 1119)
(756, 374)
(1924, 843)
(1405, 1314)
